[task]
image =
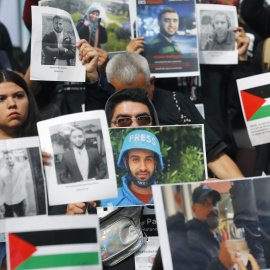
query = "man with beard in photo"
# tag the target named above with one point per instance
(163, 44)
(208, 248)
(141, 156)
(58, 47)
(223, 36)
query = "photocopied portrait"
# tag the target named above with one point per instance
(216, 24)
(217, 31)
(58, 41)
(79, 152)
(22, 191)
(82, 167)
(54, 55)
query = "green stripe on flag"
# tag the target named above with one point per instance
(60, 260)
(264, 111)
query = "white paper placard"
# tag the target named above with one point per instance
(54, 56)
(73, 178)
(212, 51)
(254, 94)
(22, 186)
(145, 256)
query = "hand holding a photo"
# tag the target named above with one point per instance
(46, 158)
(88, 56)
(242, 43)
(136, 45)
(79, 208)
(103, 58)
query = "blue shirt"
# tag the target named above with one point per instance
(125, 196)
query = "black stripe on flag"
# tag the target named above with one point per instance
(260, 91)
(59, 237)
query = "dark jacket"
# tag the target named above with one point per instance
(219, 92)
(169, 114)
(69, 170)
(227, 45)
(256, 16)
(203, 246)
(177, 233)
(84, 33)
(52, 52)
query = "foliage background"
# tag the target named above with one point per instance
(181, 149)
(118, 25)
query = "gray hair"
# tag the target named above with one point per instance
(126, 67)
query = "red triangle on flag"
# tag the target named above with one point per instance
(251, 103)
(19, 250)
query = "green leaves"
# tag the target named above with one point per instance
(181, 148)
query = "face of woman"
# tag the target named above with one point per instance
(93, 16)
(13, 107)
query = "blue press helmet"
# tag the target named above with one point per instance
(140, 139)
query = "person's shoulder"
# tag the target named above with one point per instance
(67, 154)
(49, 35)
(114, 201)
(154, 41)
(92, 150)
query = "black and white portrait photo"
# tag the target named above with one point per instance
(216, 33)
(216, 24)
(81, 158)
(22, 190)
(58, 41)
(79, 152)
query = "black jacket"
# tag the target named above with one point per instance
(169, 114)
(177, 233)
(257, 16)
(203, 246)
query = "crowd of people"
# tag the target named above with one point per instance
(131, 97)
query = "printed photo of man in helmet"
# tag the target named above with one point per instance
(141, 156)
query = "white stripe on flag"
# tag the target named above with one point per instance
(66, 249)
(267, 103)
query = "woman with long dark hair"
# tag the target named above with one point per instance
(18, 115)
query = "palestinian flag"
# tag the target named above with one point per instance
(256, 102)
(53, 249)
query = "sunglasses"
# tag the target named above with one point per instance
(143, 120)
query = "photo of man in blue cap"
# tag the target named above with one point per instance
(141, 156)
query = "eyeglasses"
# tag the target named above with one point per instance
(143, 120)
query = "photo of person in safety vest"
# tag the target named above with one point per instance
(141, 156)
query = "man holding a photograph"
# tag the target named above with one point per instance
(12, 187)
(223, 39)
(163, 43)
(208, 248)
(81, 164)
(57, 45)
(141, 156)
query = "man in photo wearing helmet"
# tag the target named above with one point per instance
(141, 156)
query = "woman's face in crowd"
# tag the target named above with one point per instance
(13, 106)
(93, 16)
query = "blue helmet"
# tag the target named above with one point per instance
(140, 139)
